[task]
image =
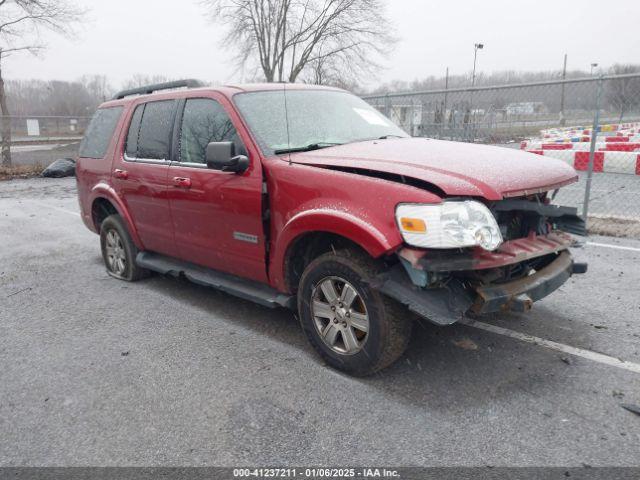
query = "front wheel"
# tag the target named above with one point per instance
(352, 326)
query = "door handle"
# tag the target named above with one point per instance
(182, 182)
(122, 174)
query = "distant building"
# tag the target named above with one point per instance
(407, 116)
(526, 108)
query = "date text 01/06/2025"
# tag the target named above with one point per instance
(315, 473)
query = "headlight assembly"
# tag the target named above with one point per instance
(454, 224)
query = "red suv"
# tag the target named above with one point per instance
(308, 198)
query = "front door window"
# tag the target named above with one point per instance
(204, 121)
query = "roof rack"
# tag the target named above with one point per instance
(188, 83)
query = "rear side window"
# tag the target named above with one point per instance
(155, 130)
(98, 135)
(150, 131)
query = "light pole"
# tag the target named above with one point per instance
(593, 65)
(478, 46)
(444, 107)
(564, 76)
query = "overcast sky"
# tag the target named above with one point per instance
(123, 37)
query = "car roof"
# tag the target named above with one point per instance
(257, 87)
(227, 90)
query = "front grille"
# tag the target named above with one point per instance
(516, 223)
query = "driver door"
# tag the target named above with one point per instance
(217, 216)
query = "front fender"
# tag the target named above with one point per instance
(338, 222)
(103, 190)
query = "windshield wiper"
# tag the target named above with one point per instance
(385, 137)
(308, 148)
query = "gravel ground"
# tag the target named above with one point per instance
(43, 154)
(162, 372)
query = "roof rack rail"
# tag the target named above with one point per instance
(188, 83)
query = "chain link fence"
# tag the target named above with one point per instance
(38, 140)
(593, 124)
(554, 118)
(38, 128)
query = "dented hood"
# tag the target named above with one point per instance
(456, 168)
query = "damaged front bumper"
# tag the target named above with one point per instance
(454, 297)
(520, 294)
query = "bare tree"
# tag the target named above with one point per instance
(97, 86)
(21, 22)
(331, 71)
(55, 97)
(623, 94)
(288, 37)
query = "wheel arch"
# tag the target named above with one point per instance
(101, 208)
(311, 234)
(105, 202)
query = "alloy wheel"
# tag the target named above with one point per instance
(116, 255)
(340, 315)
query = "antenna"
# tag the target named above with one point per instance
(286, 118)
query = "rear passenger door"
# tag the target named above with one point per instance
(217, 216)
(140, 175)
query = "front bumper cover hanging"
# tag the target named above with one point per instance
(449, 303)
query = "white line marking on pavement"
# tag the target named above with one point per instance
(617, 247)
(53, 207)
(578, 352)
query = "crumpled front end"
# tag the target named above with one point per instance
(515, 281)
(534, 260)
(520, 294)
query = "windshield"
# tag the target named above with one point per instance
(317, 119)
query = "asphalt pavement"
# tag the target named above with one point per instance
(612, 194)
(95, 371)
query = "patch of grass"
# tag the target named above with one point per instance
(614, 226)
(20, 171)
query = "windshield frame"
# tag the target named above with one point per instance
(270, 152)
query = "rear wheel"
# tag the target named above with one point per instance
(119, 251)
(352, 326)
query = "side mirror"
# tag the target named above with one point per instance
(222, 156)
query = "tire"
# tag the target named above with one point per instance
(115, 239)
(388, 324)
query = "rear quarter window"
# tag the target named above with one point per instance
(99, 133)
(134, 132)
